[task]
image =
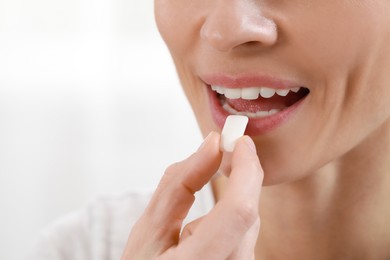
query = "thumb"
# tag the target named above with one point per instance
(246, 249)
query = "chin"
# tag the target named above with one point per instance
(276, 173)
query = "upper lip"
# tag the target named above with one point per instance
(246, 80)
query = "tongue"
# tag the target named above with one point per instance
(260, 104)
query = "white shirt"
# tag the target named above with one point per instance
(100, 231)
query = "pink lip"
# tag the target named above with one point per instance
(256, 126)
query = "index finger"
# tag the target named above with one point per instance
(175, 193)
(225, 226)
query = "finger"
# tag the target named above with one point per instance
(174, 195)
(189, 229)
(225, 226)
(225, 168)
(246, 249)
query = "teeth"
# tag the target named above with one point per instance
(282, 92)
(267, 92)
(252, 93)
(295, 89)
(233, 93)
(258, 114)
(273, 111)
(262, 114)
(218, 89)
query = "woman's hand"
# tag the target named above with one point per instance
(228, 231)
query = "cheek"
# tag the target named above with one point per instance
(197, 96)
(178, 35)
(349, 56)
(163, 11)
(335, 36)
(177, 21)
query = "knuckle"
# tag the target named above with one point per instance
(256, 170)
(255, 165)
(170, 173)
(246, 212)
(172, 169)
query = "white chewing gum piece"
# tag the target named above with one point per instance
(233, 129)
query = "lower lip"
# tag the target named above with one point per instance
(256, 126)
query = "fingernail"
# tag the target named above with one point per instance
(249, 142)
(205, 141)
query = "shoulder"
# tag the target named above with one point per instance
(100, 230)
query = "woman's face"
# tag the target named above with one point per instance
(336, 54)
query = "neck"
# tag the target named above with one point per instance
(340, 211)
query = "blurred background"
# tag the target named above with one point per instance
(89, 105)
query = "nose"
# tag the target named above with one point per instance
(234, 23)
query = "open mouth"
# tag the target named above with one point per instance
(258, 102)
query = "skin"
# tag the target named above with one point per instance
(326, 181)
(156, 235)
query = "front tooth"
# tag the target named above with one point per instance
(282, 92)
(267, 92)
(250, 93)
(233, 93)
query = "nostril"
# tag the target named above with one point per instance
(251, 43)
